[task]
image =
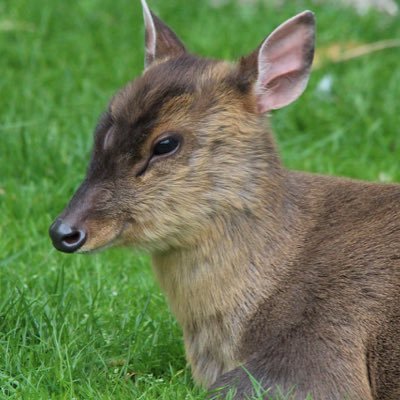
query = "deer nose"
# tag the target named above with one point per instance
(66, 238)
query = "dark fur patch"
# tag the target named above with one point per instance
(135, 111)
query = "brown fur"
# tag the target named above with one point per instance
(294, 276)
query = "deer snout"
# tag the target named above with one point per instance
(65, 237)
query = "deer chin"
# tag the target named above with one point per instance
(146, 235)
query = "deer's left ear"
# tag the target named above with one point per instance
(282, 64)
(160, 41)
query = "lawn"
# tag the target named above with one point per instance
(98, 327)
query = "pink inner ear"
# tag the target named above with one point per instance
(282, 56)
(282, 91)
(284, 62)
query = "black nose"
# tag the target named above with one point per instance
(65, 238)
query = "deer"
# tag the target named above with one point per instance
(288, 278)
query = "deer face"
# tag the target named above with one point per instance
(181, 145)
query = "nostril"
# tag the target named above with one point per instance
(72, 238)
(66, 238)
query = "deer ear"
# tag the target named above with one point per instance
(160, 41)
(283, 63)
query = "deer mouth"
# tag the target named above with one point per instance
(103, 239)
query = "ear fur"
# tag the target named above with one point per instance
(281, 65)
(160, 41)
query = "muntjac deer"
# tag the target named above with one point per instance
(286, 277)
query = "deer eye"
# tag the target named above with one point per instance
(166, 145)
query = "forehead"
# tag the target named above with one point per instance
(186, 76)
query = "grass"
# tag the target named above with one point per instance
(83, 327)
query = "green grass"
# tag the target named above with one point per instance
(97, 326)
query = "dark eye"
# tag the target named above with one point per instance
(166, 145)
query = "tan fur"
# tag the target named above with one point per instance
(295, 276)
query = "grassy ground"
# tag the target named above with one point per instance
(97, 326)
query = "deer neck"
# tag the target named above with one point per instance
(214, 286)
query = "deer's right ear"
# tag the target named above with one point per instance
(160, 41)
(279, 69)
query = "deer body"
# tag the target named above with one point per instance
(266, 296)
(293, 278)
